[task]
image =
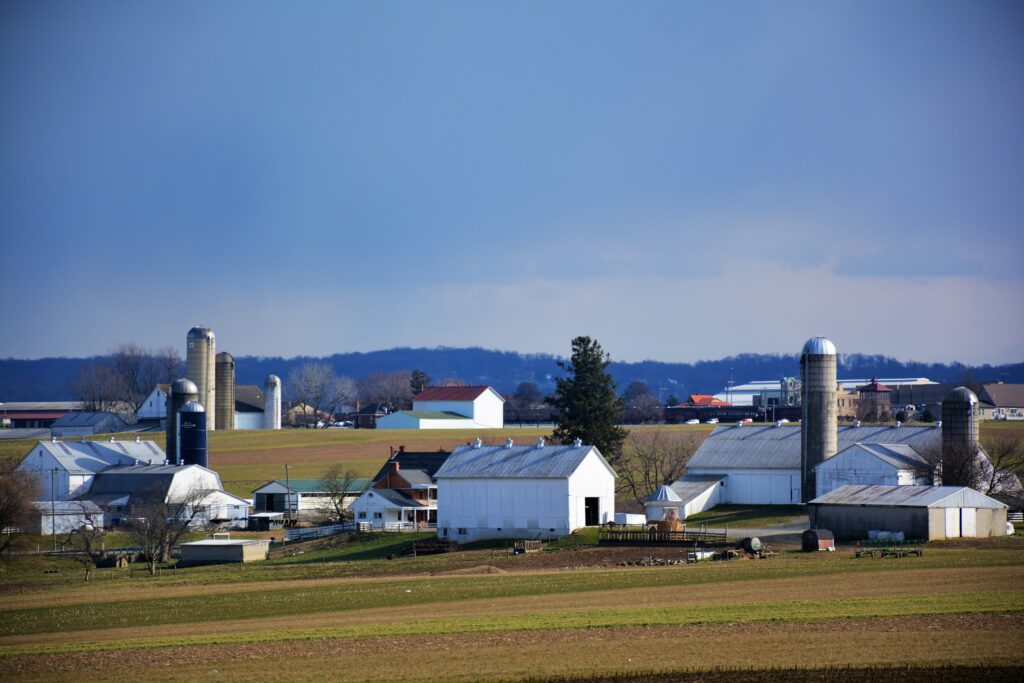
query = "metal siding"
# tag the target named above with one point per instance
(499, 462)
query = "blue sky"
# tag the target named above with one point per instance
(678, 180)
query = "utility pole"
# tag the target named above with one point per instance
(287, 496)
(53, 510)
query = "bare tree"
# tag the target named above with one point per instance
(319, 392)
(137, 370)
(97, 387)
(652, 458)
(392, 389)
(338, 485)
(1006, 459)
(17, 491)
(168, 363)
(158, 521)
(86, 542)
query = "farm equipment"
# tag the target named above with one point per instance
(430, 546)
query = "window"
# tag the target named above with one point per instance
(362, 515)
(377, 515)
(462, 531)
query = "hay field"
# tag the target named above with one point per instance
(471, 616)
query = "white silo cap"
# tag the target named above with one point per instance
(819, 346)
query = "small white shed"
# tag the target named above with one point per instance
(523, 492)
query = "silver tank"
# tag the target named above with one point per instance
(200, 367)
(180, 392)
(819, 434)
(225, 408)
(272, 402)
(959, 424)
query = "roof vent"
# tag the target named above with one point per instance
(577, 442)
(739, 423)
(898, 423)
(856, 423)
(478, 443)
(508, 442)
(53, 439)
(138, 439)
(540, 442)
(111, 439)
(938, 424)
(778, 423)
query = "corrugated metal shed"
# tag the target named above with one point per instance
(515, 462)
(908, 496)
(771, 447)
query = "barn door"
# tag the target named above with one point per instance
(591, 511)
(952, 522)
(968, 522)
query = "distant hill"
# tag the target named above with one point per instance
(46, 379)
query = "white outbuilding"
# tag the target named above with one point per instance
(450, 408)
(874, 464)
(71, 465)
(523, 492)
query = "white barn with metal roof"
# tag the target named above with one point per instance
(920, 512)
(760, 464)
(71, 465)
(523, 492)
(874, 464)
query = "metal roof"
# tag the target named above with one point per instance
(86, 419)
(453, 393)
(1004, 395)
(314, 485)
(691, 486)
(433, 415)
(415, 467)
(961, 395)
(900, 456)
(95, 456)
(227, 542)
(398, 498)
(908, 496)
(663, 494)
(248, 398)
(515, 462)
(819, 346)
(770, 447)
(67, 507)
(40, 405)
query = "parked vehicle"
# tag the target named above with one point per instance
(692, 421)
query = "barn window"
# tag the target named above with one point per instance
(462, 531)
(362, 515)
(377, 515)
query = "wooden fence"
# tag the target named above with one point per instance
(655, 537)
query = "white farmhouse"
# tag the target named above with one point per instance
(450, 408)
(874, 465)
(71, 465)
(523, 492)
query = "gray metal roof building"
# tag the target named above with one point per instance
(515, 462)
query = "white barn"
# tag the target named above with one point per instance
(71, 465)
(874, 464)
(450, 408)
(523, 492)
(760, 464)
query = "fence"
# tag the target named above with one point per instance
(393, 526)
(654, 537)
(295, 534)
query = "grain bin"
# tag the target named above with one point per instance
(180, 392)
(272, 402)
(959, 427)
(819, 435)
(225, 412)
(200, 367)
(192, 435)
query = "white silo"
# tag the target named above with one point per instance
(272, 402)
(819, 435)
(200, 367)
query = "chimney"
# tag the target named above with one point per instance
(401, 449)
(393, 467)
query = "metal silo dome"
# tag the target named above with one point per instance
(961, 395)
(272, 381)
(201, 332)
(193, 407)
(819, 346)
(184, 386)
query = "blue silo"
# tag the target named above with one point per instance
(192, 435)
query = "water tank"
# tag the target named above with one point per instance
(272, 402)
(959, 426)
(819, 435)
(200, 366)
(192, 435)
(225, 391)
(180, 392)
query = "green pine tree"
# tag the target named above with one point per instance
(586, 402)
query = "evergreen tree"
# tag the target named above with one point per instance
(418, 381)
(586, 402)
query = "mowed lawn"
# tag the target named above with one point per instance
(960, 604)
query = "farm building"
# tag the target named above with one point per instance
(524, 492)
(695, 493)
(71, 465)
(920, 512)
(450, 408)
(874, 463)
(34, 414)
(224, 551)
(306, 498)
(86, 423)
(404, 491)
(249, 402)
(1001, 401)
(117, 489)
(64, 516)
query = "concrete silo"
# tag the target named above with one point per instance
(200, 367)
(192, 435)
(819, 434)
(180, 392)
(272, 402)
(959, 433)
(225, 391)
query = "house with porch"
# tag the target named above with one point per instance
(404, 491)
(303, 498)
